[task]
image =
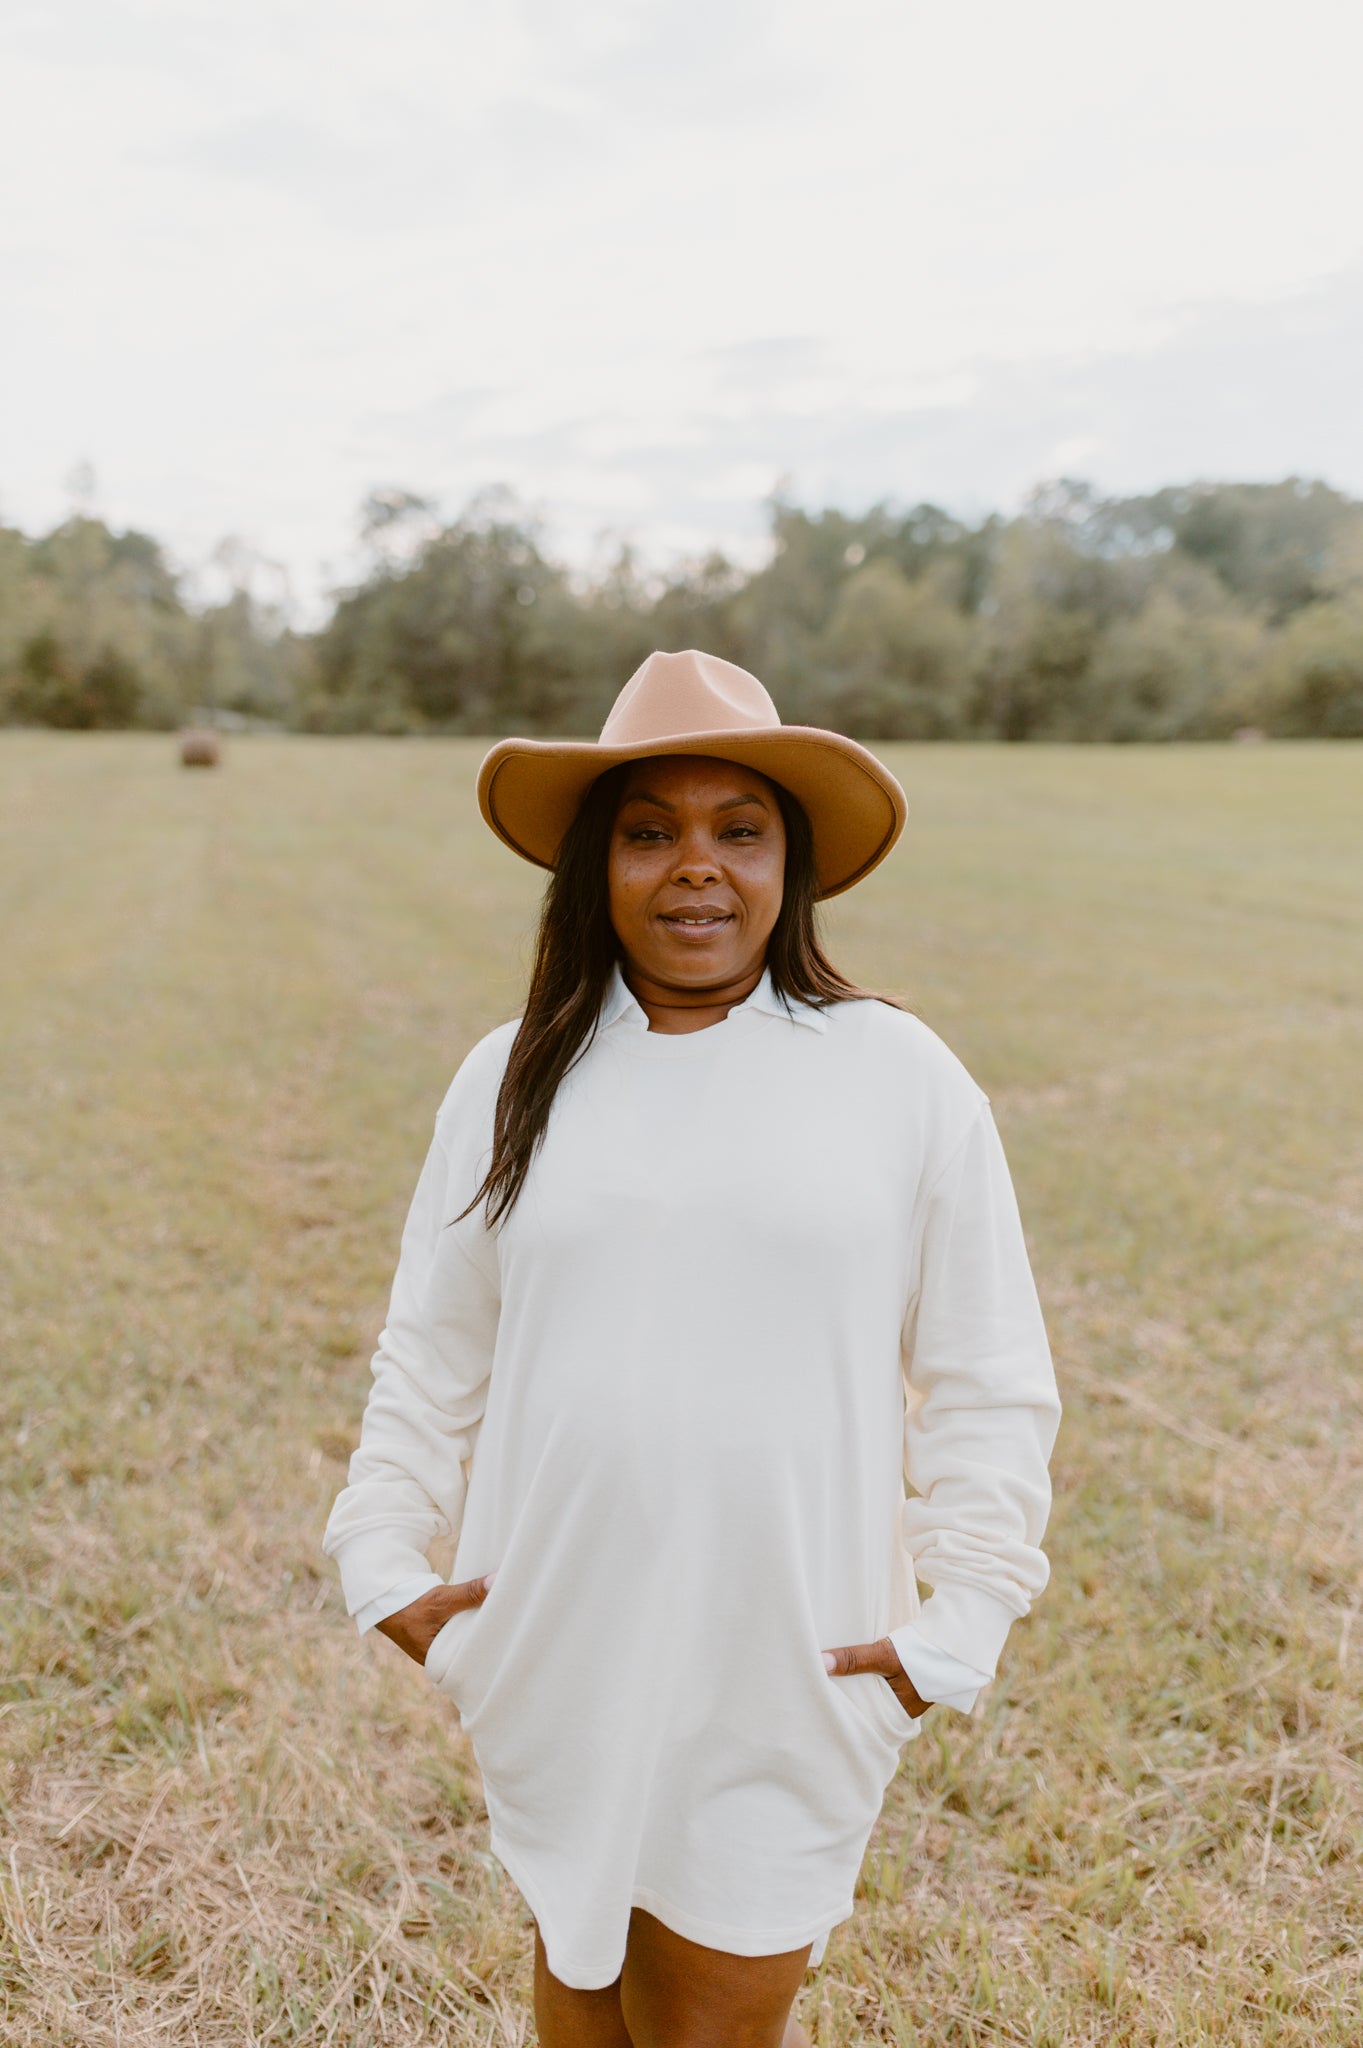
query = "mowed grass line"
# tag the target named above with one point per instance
(230, 1005)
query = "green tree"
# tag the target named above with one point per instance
(1185, 666)
(1270, 545)
(448, 644)
(54, 688)
(900, 656)
(1313, 685)
(1040, 629)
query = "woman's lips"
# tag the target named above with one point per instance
(694, 925)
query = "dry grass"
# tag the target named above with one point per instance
(230, 1005)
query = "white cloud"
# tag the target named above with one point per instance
(642, 261)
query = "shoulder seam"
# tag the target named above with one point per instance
(981, 1106)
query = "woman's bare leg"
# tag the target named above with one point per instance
(676, 1994)
(682, 1996)
(575, 2019)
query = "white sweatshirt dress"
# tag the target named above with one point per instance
(759, 1275)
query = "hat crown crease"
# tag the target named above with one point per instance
(673, 695)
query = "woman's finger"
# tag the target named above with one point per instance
(472, 1592)
(854, 1657)
(883, 1659)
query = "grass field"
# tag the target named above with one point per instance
(230, 1004)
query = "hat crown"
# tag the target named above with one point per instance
(672, 695)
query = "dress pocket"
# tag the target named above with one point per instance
(902, 1724)
(876, 1706)
(445, 1654)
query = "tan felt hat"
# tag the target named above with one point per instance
(529, 790)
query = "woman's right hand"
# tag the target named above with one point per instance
(415, 1627)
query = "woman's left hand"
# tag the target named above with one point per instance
(881, 1658)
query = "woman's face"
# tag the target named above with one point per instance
(696, 870)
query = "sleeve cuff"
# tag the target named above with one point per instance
(939, 1678)
(396, 1598)
(967, 1623)
(373, 1561)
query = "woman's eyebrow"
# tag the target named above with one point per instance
(646, 796)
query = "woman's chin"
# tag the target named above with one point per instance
(693, 964)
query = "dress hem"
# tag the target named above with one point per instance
(585, 1976)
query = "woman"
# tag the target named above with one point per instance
(711, 1250)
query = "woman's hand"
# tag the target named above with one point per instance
(881, 1658)
(415, 1627)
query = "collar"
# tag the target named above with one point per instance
(619, 1005)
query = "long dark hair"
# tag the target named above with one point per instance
(575, 952)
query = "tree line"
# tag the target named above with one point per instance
(1193, 612)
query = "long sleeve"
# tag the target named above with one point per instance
(406, 1482)
(396, 1598)
(982, 1408)
(939, 1678)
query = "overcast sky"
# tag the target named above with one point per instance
(641, 259)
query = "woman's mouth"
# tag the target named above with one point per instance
(695, 924)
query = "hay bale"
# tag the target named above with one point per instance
(199, 748)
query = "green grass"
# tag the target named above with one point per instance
(230, 1005)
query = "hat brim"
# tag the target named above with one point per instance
(529, 791)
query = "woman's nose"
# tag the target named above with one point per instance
(696, 864)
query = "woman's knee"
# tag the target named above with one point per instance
(569, 2018)
(675, 1993)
